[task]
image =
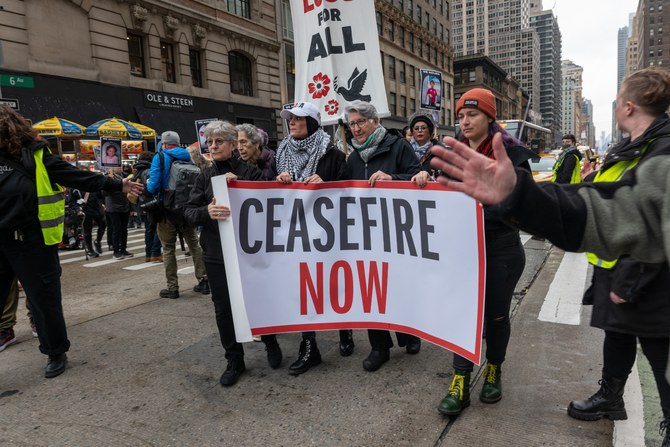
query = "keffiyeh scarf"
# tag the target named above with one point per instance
(300, 157)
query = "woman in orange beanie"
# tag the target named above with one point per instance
(505, 258)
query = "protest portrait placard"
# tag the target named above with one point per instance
(431, 89)
(343, 255)
(200, 133)
(337, 56)
(110, 152)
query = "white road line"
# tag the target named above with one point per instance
(107, 253)
(563, 302)
(110, 261)
(630, 433)
(186, 270)
(525, 238)
(147, 265)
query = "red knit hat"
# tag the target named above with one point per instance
(478, 98)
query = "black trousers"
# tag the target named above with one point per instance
(218, 284)
(619, 352)
(88, 229)
(119, 231)
(381, 340)
(505, 260)
(37, 266)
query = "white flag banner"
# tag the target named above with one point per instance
(337, 56)
(343, 255)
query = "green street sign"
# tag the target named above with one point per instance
(17, 81)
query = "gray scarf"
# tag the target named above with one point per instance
(368, 148)
(300, 157)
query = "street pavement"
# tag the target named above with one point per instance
(144, 371)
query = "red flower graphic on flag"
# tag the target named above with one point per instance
(332, 107)
(319, 88)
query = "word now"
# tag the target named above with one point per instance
(370, 284)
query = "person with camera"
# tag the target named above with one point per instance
(171, 225)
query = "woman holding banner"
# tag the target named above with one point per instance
(505, 257)
(307, 155)
(202, 209)
(380, 155)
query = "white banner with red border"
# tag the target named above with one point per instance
(343, 255)
(337, 56)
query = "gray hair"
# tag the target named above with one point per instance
(221, 128)
(251, 131)
(365, 109)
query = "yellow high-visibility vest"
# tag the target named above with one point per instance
(50, 203)
(576, 172)
(614, 174)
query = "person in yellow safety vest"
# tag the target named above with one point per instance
(567, 168)
(628, 217)
(31, 226)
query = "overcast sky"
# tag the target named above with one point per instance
(589, 32)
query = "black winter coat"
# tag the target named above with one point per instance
(195, 210)
(330, 167)
(394, 156)
(644, 286)
(18, 192)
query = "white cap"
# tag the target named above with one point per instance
(302, 109)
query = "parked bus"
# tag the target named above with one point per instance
(536, 137)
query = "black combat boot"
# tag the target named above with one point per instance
(607, 402)
(346, 343)
(308, 356)
(233, 372)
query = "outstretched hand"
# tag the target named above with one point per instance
(132, 188)
(484, 179)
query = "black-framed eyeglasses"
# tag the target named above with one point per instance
(358, 123)
(215, 142)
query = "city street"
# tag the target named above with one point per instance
(143, 371)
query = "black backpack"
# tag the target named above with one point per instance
(181, 180)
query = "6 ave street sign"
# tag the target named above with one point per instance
(13, 103)
(17, 81)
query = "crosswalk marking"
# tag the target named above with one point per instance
(147, 265)
(525, 238)
(563, 302)
(630, 433)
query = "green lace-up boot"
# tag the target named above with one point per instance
(458, 397)
(492, 389)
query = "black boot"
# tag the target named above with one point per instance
(274, 352)
(665, 427)
(308, 356)
(607, 402)
(55, 366)
(346, 343)
(376, 359)
(90, 252)
(233, 372)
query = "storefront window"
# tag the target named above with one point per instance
(136, 55)
(240, 74)
(167, 62)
